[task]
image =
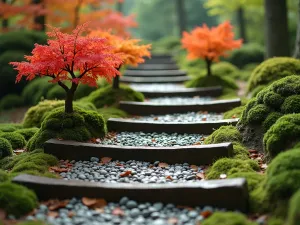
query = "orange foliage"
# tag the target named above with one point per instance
(210, 44)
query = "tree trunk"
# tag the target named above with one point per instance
(208, 67)
(242, 23)
(297, 45)
(70, 98)
(4, 21)
(181, 14)
(39, 21)
(119, 7)
(276, 28)
(116, 82)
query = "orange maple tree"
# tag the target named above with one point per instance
(210, 43)
(71, 58)
(130, 50)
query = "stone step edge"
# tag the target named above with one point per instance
(231, 194)
(150, 80)
(193, 154)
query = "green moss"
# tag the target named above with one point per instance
(258, 114)
(253, 179)
(27, 133)
(224, 134)
(258, 200)
(225, 69)
(227, 218)
(108, 96)
(111, 112)
(16, 140)
(270, 120)
(36, 114)
(240, 151)
(291, 104)
(29, 166)
(11, 101)
(33, 172)
(273, 69)
(9, 127)
(272, 99)
(275, 221)
(5, 148)
(3, 176)
(80, 126)
(284, 134)
(223, 166)
(16, 199)
(258, 89)
(294, 209)
(234, 113)
(32, 223)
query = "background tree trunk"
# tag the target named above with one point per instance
(276, 28)
(4, 21)
(39, 20)
(208, 67)
(181, 16)
(297, 45)
(242, 23)
(119, 7)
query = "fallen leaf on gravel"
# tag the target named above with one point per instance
(194, 167)
(125, 174)
(200, 176)
(53, 214)
(206, 214)
(118, 212)
(55, 204)
(94, 202)
(60, 139)
(155, 118)
(105, 160)
(93, 140)
(197, 143)
(119, 164)
(163, 165)
(58, 169)
(204, 119)
(172, 220)
(185, 207)
(71, 214)
(169, 177)
(153, 140)
(101, 203)
(100, 210)
(233, 117)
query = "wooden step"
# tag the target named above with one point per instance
(155, 67)
(154, 73)
(150, 80)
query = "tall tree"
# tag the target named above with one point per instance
(276, 31)
(297, 45)
(39, 20)
(4, 20)
(181, 15)
(242, 23)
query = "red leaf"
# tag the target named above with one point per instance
(94, 202)
(119, 164)
(118, 212)
(126, 173)
(53, 214)
(169, 177)
(55, 204)
(194, 167)
(58, 169)
(200, 176)
(206, 214)
(163, 165)
(172, 220)
(105, 160)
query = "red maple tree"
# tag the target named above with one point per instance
(210, 43)
(71, 58)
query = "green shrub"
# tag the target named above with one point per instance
(225, 69)
(247, 54)
(227, 218)
(79, 126)
(111, 112)
(16, 199)
(3, 176)
(284, 134)
(11, 101)
(108, 96)
(273, 69)
(253, 179)
(56, 92)
(294, 209)
(5, 148)
(16, 140)
(166, 45)
(10, 127)
(224, 134)
(36, 114)
(228, 166)
(27, 133)
(234, 113)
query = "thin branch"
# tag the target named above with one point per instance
(65, 87)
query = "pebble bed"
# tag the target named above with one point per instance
(189, 117)
(152, 139)
(180, 100)
(132, 172)
(157, 87)
(125, 212)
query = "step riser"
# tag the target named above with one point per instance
(150, 80)
(158, 73)
(155, 67)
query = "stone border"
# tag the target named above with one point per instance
(150, 80)
(205, 127)
(188, 92)
(155, 73)
(161, 60)
(193, 154)
(231, 193)
(148, 108)
(155, 67)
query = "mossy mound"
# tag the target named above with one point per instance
(294, 209)
(27, 133)
(230, 166)
(273, 69)
(16, 140)
(227, 218)
(10, 127)
(5, 148)
(3, 176)
(32, 223)
(80, 126)
(108, 96)
(234, 113)
(284, 134)
(111, 112)
(253, 179)
(225, 69)
(16, 199)
(36, 114)
(270, 104)
(11, 101)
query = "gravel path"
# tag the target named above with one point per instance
(157, 87)
(180, 100)
(151, 139)
(189, 117)
(124, 212)
(133, 172)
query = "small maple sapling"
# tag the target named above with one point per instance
(71, 58)
(129, 49)
(210, 44)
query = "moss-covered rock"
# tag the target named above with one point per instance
(225, 69)
(227, 218)
(80, 126)
(294, 209)
(3, 176)
(27, 133)
(111, 112)
(108, 96)
(11, 101)
(291, 104)
(253, 179)
(228, 166)
(234, 113)
(5, 148)
(10, 127)
(273, 69)
(284, 134)
(36, 114)
(16, 140)
(16, 199)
